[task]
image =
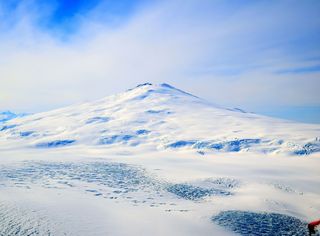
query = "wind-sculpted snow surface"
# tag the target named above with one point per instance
(160, 117)
(47, 197)
(117, 165)
(118, 176)
(112, 179)
(19, 221)
(260, 224)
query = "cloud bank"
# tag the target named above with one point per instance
(249, 55)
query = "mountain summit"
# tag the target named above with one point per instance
(158, 117)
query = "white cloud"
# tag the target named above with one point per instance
(227, 54)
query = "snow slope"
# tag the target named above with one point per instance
(8, 115)
(157, 117)
(155, 160)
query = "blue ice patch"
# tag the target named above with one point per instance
(121, 177)
(142, 131)
(6, 127)
(6, 115)
(154, 111)
(237, 145)
(181, 143)
(97, 119)
(308, 149)
(55, 143)
(191, 192)
(230, 146)
(252, 223)
(26, 133)
(158, 111)
(116, 139)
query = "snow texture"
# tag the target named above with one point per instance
(161, 117)
(156, 160)
(253, 223)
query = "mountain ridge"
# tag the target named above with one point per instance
(159, 117)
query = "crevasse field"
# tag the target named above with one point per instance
(155, 160)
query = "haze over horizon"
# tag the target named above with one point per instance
(261, 56)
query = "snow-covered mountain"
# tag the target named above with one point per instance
(130, 164)
(157, 117)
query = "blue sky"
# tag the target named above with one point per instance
(262, 56)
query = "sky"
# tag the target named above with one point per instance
(261, 56)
